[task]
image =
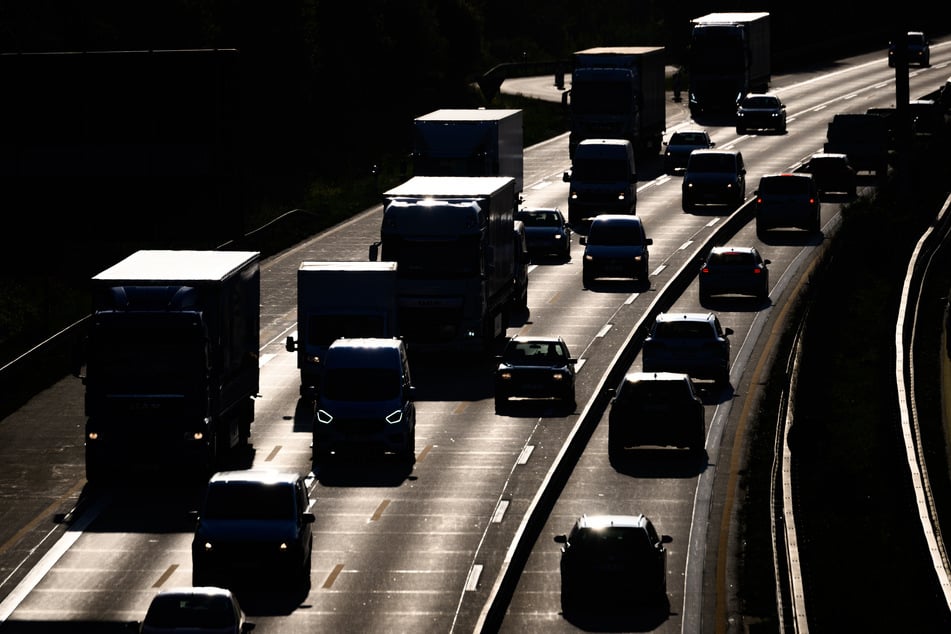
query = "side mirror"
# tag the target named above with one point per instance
(308, 517)
(290, 344)
(561, 539)
(374, 251)
(767, 261)
(648, 241)
(727, 332)
(566, 177)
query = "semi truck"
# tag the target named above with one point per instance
(458, 270)
(469, 142)
(618, 92)
(171, 362)
(340, 299)
(729, 57)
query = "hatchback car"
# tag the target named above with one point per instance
(734, 270)
(546, 232)
(681, 144)
(616, 246)
(763, 111)
(714, 177)
(787, 201)
(610, 562)
(535, 367)
(195, 610)
(655, 409)
(919, 50)
(254, 525)
(833, 174)
(693, 343)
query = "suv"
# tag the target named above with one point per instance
(714, 177)
(365, 400)
(761, 112)
(616, 246)
(252, 522)
(693, 343)
(655, 408)
(833, 174)
(612, 561)
(787, 200)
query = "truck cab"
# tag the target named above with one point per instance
(603, 178)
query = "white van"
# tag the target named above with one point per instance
(603, 180)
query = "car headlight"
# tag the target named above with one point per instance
(573, 195)
(323, 416)
(621, 196)
(395, 417)
(558, 376)
(505, 376)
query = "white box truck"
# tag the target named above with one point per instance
(340, 299)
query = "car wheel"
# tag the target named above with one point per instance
(704, 296)
(740, 130)
(586, 279)
(500, 403)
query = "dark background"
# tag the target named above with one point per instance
(187, 123)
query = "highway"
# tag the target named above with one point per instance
(428, 550)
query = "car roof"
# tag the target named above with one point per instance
(800, 176)
(687, 316)
(639, 377)
(262, 475)
(208, 591)
(617, 218)
(608, 520)
(623, 142)
(534, 339)
(732, 249)
(829, 155)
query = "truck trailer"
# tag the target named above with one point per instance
(618, 92)
(469, 142)
(340, 299)
(458, 269)
(171, 362)
(729, 57)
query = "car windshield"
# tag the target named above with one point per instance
(535, 353)
(688, 138)
(711, 163)
(784, 186)
(916, 39)
(614, 233)
(760, 102)
(249, 501)
(191, 611)
(538, 218)
(361, 384)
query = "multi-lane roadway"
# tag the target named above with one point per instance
(463, 541)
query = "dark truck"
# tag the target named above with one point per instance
(171, 362)
(863, 137)
(618, 93)
(729, 57)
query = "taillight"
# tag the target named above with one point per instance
(757, 270)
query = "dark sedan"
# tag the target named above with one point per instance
(681, 144)
(832, 172)
(732, 270)
(546, 232)
(535, 368)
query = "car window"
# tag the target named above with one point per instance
(538, 218)
(190, 610)
(785, 186)
(361, 384)
(761, 102)
(249, 501)
(732, 258)
(711, 163)
(647, 391)
(615, 233)
(683, 329)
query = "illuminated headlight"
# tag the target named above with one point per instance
(558, 376)
(638, 258)
(588, 258)
(505, 376)
(208, 547)
(395, 417)
(688, 185)
(93, 435)
(194, 435)
(313, 359)
(573, 195)
(558, 236)
(283, 547)
(621, 196)
(323, 416)
(729, 185)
